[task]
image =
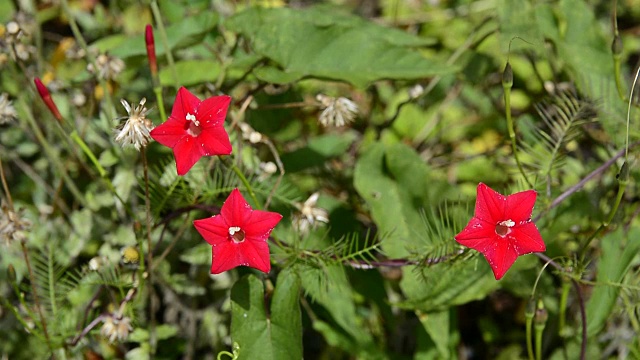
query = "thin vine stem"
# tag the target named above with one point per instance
(155, 9)
(243, 179)
(36, 298)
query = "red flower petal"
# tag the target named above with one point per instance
(169, 132)
(520, 205)
(509, 216)
(527, 239)
(236, 210)
(212, 111)
(186, 103)
(490, 205)
(214, 141)
(214, 230)
(500, 257)
(228, 253)
(478, 235)
(260, 224)
(187, 154)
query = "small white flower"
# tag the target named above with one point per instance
(109, 67)
(309, 216)
(415, 91)
(7, 111)
(135, 131)
(337, 111)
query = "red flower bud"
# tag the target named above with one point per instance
(151, 50)
(46, 97)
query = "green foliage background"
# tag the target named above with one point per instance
(384, 279)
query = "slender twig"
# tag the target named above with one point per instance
(147, 200)
(573, 189)
(36, 298)
(5, 186)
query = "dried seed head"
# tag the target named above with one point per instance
(115, 327)
(135, 131)
(7, 111)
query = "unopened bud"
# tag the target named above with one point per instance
(541, 316)
(151, 50)
(130, 255)
(623, 175)
(616, 45)
(507, 76)
(46, 97)
(530, 310)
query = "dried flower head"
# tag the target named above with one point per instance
(109, 67)
(337, 111)
(135, 131)
(309, 216)
(7, 111)
(13, 226)
(115, 327)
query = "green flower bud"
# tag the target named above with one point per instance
(507, 76)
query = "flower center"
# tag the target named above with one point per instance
(504, 227)
(236, 234)
(193, 125)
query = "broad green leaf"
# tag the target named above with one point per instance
(330, 288)
(617, 255)
(189, 31)
(326, 43)
(319, 150)
(191, 72)
(278, 336)
(437, 326)
(397, 185)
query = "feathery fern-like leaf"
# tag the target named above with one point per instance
(562, 116)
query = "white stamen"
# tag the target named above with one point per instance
(508, 223)
(233, 230)
(191, 117)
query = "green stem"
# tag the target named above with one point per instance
(563, 307)
(512, 133)
(618, 76)
(529, 322)
(158, 91)
(539, 330)
(165, 42)
(621, 188)
(244, 181)
(83, 44)
(152, 303)
(36, 298)
(54, 158)
(101, 171)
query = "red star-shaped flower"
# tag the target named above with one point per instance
(195, 129)
(501, 228)
(238, 235)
